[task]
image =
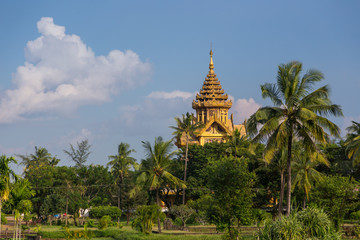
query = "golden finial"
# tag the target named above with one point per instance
(211, 65)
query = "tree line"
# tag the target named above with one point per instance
(291, 145)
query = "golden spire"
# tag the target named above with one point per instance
(211, 65)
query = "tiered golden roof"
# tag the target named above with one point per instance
(211, 94)
(212, 110)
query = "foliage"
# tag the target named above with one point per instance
(199, 158)
(104, 222)
(101, 211)
(355, 215)
(121, 165)
(298, 112)
(188, 128)
(310, 223)
(229, 204)
(337, 196)
(340, 164)
(3, 219)
(154, 172)
(285, 228)
(306, 175)
(80, 154)
(183, 212)
(146, 216)
(353, 142)
(76, 234)
(5, 175)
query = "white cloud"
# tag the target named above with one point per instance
(61, 73)
(74, 137)
(155, 113)
(171, 95)
(244, 108)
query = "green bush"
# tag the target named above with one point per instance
(146, 216)
(315, 222)
(99, 212)
(178, 222)
(91, 223)
(310, 223)
(355, 215)
(3, 218)
(104, 222)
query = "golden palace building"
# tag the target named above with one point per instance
(212, 109)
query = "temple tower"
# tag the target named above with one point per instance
(212, 101)
(212, 109)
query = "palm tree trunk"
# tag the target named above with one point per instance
(288, 200)
(304, 201)
(119, 201)
(66, 213)
(282, 188)
(20, 228)
(15, 228)
(158, 203)
(185, 170)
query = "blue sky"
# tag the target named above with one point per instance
(120, 71)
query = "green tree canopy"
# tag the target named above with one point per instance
(298, 113)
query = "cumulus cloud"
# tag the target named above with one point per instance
(61, 73)
(244, 108)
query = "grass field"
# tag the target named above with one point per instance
(126, 232)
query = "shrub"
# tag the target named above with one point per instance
(182, 212)
(310, 223)
(355, 215)
(178, 222)
(91, 223)
(315, 222)
(99, 212)
(146, 216)
(286, 228)
(3, 219)
(104, 222)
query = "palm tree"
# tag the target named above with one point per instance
(352, 142)
(121, 164)
(20, 203)
(154, 169)
(279, 160)
(306, 174)
(186, 127)
(298, 114)
(5, 175)
(41, 158)
(239, 144)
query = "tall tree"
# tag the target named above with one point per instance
(154, 169)
(279, 161)
(120, 164)
(186, 127)
(305, 171)
(80, 154)
(20, 203)
(299, 113)
(5, 175)
(353, 142)
(40, 158)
